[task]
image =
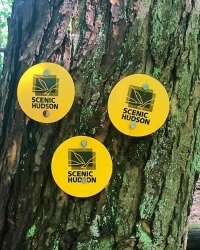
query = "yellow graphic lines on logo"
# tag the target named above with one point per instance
(140, 99)
(82, 159)
(45, 86)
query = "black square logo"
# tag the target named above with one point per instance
(45, 85)
(81, 159)
(139, 98)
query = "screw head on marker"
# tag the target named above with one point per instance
(83, 143)
(84, 180)
(133, 125)
(145, 86)
(46, 72)
(46, 113)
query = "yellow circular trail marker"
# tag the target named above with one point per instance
(138, 105)
(81, 166)
(46, 92)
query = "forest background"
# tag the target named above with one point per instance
(5, 12)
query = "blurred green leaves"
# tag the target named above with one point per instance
(5, 12)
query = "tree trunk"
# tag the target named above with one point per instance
(146, 204)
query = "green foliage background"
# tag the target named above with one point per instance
(5, 12)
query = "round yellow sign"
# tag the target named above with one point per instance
(46, 92)
(81, 166)
(138, 105)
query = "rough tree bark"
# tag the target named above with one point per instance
(146, 204)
